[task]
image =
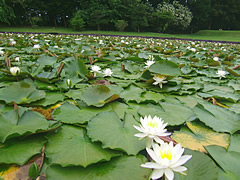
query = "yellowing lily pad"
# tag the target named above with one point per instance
(200, 136)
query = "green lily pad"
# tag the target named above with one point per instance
(218, 118)
(122, 168)
(71, 146)
(234, 145)
(173, 114)
(98, 95)
(19, 151)
(50, 99)
(21, 93)
(164, 67)
(227, 160)
(71, 114)
(199, 167)
(13, 125)
(107, 128)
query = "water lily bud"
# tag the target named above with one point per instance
(69, 82)
(15, 71)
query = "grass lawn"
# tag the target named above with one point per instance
(214, 35)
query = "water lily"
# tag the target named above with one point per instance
(107, 72)
(149, 63)
(151, 128)
(17, 59)
(95, 69)
(216, 58)
(221, 73)
(1, 52)
(159, 79)
(167, 159)
(36, 46)
(15, 71)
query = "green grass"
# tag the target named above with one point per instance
(216, 35)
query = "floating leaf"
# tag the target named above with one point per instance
(228, 161)
(102, 126)
(234, 145)
(199, 167)
(50, 99)
(21, 93)
(82, 152)
(30, 122)
(98, 95)
(173, 114)
(233, 97)
(200, 136)
(132, 93)
(164, 67)
(19, 151)
(121, 168)
(69, 113)
(218, 118)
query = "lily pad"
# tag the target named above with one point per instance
(122, 168)
(14, 125)
(83, 152)
(165, 67)
(98, 95)
(102, 126)
(21, 93)
(173, 114)
(199, 167)
(16, 151)
(200, 136)
(218, 118)
(227, 160)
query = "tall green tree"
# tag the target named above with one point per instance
(6, 13)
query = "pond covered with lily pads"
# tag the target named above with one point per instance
(71, 105)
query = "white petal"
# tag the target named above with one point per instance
(169, 174)
(138, 128)
(158, 140)
(140, 135)
(179, 169)
(152, 165)
(152, 154)
(149, 142)
(181, 161)
(157, 173)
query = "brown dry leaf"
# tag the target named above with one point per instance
(46, 112)
(200, 136)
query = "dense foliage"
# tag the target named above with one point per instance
(70, 103)
(140, 15)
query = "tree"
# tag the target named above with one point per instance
(77, 21)
(6, 13)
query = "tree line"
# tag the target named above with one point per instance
(129, 15)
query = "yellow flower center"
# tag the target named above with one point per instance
(152, 124)
(166, 154)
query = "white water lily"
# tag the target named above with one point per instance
(17, 59)
(95, 69)
(216, 58)
(107, 72)
(1, 52)
(149, 63)
(36, 46)
(151, 128)
(15, 71)
(221, 73)
(150, 57)
(167, 159)
(159, 79)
